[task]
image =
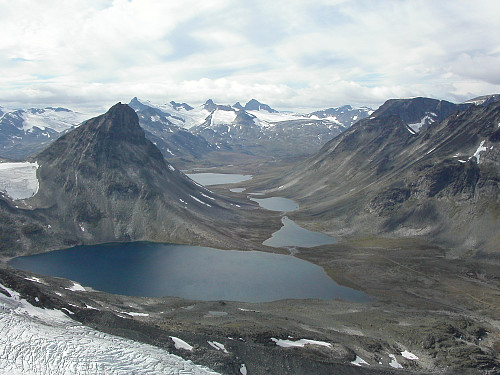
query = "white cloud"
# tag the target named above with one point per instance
(288, 53)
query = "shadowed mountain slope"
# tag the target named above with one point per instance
(381, 178)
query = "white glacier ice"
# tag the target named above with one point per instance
(19, 180)
(40, 341)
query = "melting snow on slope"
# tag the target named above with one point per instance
(299, 343)
(394, 363)
(76, 288)
(181, 344)
(200, 201)
(39, 341)
(409, 355)
(218, 346)
(19, 180)
(427, 119)
(359, 361)
(480, 149)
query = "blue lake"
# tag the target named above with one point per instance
(207, 179)
(290, 234)
(191, 272)
(277, 204)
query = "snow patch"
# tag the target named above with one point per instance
(359, 362)
(409, 355)
(243, 369)
(428, 152)
(18, 180)
(299, 343)
(199, 201)
(247, 310)
(171, 167)
(218, 346)
(427, 119)
(394, 363)
(136, 314)
(181, 344)
(35, 279)
(206, 196)
(480, 149)
(76, 288)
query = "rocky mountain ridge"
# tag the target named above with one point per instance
(382, 178)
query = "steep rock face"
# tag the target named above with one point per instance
(380, 178)
(105, 181)
(419, 112)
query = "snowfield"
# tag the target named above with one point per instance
(19, 180)
(58, 120)
(39, 341)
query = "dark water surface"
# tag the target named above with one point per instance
(207, 179)
(290, 234)
(277, 204)
(191, 272)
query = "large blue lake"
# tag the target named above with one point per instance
(191, 272)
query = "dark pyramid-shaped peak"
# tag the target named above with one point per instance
(137, 105)
(110, 137)
(120, 121)
(210, 105)
(237, 105)
(255, 105)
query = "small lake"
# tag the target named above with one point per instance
(207, 179)
(191, 272)
(290, 234)
(277, 204)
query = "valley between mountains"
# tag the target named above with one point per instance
(408, 191)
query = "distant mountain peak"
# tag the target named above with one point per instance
(177, 106)
(102, 139)
(255, 105)
(119, 121)
(484, 100)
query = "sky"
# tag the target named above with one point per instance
(293, 54)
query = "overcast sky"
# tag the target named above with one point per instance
(291, 54)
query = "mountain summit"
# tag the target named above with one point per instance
(104, 181)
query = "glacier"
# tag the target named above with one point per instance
(38, 341)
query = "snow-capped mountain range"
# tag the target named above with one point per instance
(26, 131)
(255, 128)
(180, 130)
